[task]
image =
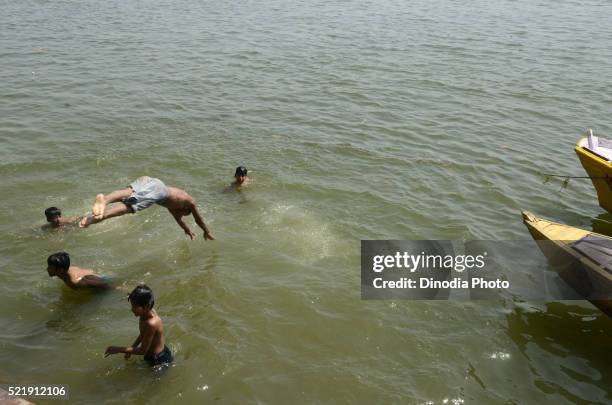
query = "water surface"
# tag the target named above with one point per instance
(358, 120)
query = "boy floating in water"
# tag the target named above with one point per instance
(55, 219)
(142, 193)
(58, 265)
(241, 179)
(150, 341)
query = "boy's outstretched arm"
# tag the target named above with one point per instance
(179, 221)
(74, 220)
(200, 222)
(142, 349)
(136, 343)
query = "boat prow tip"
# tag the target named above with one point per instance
(528, 216)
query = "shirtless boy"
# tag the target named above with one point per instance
(58, 265)
(240, 179)
(142, 193)
(240, 176)
(150, 340)
(56, 220)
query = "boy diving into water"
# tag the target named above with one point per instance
(150, 341)
(142, 193)
(58, 265)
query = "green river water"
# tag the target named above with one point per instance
(380, 119)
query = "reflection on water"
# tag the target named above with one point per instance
(602, 224)
(75, 310)
(568, 349)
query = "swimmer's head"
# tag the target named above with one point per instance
(240, 174)
(142, 299)
(58, 263)
(53, 215)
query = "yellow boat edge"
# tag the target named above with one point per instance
(537, 227)
(543, 229)
(599, 169)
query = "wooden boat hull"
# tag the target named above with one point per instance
(600, 171)
(584, 275)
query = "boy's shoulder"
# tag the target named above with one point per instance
(153, 322)
(69, 220)
(178, 194)
(75, 270)
(75, 274)
(72, 279)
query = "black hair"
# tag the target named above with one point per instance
(53, 212)
(142, 296)
(60, 259)
(240, 171)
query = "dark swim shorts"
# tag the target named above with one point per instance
(163, 357)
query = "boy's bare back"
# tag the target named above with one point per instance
(178, 199)
(80, 278)
(155, 327)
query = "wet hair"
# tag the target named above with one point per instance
(60, 260)
(142, 296)
(53, 212)
(240, 171)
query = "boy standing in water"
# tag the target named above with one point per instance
(241, 179)
(55, 219)
(142, 193)
(150, 341)
(58, 265)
